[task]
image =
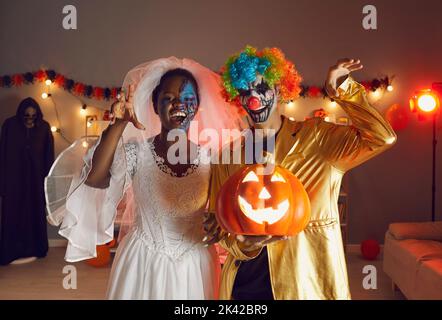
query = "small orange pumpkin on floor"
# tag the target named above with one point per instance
(103, 255)
(254, 203)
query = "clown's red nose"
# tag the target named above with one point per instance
(254, 103)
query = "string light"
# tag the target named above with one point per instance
(54, 129)
(376, 94)
(83, 109)
(291, 104)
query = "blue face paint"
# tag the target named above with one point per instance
(187, 94)
(188, 98)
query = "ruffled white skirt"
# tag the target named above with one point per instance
(141, 272)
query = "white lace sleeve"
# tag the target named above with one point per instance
(90, 212)
(131, 150)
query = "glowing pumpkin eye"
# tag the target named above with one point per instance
(264, 194)
(251, 176)
(277, 177)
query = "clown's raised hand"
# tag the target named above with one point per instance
(123, 108)
(338, 73)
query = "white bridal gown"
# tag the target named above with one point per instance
(162, 256)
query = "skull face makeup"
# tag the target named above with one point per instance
(189, 102)
(177, 103)
(259, 100)
(29, 117)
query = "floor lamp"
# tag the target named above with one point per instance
(427, 104)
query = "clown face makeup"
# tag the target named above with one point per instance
(259, 100)
(177, 103)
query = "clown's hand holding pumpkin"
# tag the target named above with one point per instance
(214, 233)
(310, 263)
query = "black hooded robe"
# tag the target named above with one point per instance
(26, 156)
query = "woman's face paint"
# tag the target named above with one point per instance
(259, 100)
(188, 99)
(178, 103)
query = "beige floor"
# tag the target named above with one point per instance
(43, 279)
(355, 264)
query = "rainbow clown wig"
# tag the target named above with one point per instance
(241, 69)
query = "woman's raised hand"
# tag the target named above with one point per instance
(123, 108)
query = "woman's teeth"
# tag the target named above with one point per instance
(178, 115)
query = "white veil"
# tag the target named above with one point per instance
(213, 113)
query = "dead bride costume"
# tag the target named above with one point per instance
(162, 256)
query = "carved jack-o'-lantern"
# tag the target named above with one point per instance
(256, 202)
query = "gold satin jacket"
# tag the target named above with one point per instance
(311, 265)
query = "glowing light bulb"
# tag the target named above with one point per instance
(390, 140)
(333, 104)
(291, 119)
(389, 88)
(54, 129)
(376, 94)
(83, 110)
(427, 102)
(48, 82)
(44, 95)
(89, 124)
(291, 104)
(85, 144)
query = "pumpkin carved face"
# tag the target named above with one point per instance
(254, 203)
